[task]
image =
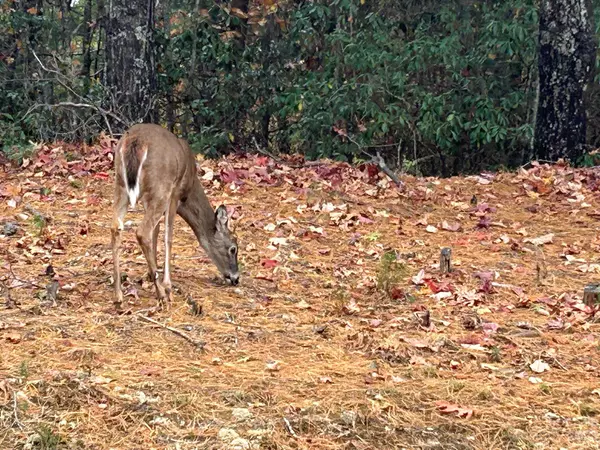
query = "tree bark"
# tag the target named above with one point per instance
(566, 55)
(130, 72)
(88, 31)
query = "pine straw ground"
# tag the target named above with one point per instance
(307, 352)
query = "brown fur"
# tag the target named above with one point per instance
(131, 149)
(168, 186)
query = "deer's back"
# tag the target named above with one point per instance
(168, 160)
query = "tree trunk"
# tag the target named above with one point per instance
(566, 55)
(130, 72)
(88, 31)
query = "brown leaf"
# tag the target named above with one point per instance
(13, 338)
(541, 240)
(451, 227)
(450, 408)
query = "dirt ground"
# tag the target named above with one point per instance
(322, 345)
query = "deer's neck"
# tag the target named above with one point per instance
(198, 213)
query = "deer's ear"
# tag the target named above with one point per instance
(221, 218)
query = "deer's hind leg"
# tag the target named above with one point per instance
(155, 247)
(145, 234)
(119, 211)
(170, 214)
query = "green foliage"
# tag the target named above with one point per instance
(39, 223)
(438, 87)
(48, 439)
(390, 273)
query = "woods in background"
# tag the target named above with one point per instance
(436, 87)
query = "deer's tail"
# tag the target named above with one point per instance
(133, 155)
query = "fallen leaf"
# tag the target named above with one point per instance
(99, 379)
(450, 408)
(451, 227)
(539, 366)
(13, 338)
(269, 263)
(273, 366)
(303, 304)
(541, 240)
(351, 307)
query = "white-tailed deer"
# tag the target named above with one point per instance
(154, 166)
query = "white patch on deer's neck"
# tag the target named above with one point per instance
(134, 193)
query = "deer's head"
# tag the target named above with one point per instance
(222, 247)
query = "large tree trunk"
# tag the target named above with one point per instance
(130, 73)
(566, 55)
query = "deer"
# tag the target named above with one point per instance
(155, 167)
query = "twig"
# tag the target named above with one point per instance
(16, 411)
(378, 160)
(102, 111)
(385, 169)
(281, 161)
(289, 427)
(179, 333)
(12, 273)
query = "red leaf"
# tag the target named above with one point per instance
(269, 263)
(397, 293)
(229, 175)
(101, 175)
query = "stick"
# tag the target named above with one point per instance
(179, 333)
(283, 162)
(378, 160)
(16, 411)
(289, 427)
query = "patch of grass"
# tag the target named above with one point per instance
(390, 273)
(77, 184)
(24, 369)
(48, 439)
(430, 372)
(495, 354)
(373, 236)
(587, 410)
(515, 438)
(455, 386)
(545, 389)
(485, 394)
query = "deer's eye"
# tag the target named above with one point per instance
(232, 251)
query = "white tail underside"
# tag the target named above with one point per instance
(134, 193)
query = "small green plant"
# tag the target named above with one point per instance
(24, 369)
(485, 394)
(455, 386)
(390, 273)
(48, 439)
(430, 372)
(373, 236)
(77, 184)
(545, 389)
(39, 223)
(495, 354)
(587, 410)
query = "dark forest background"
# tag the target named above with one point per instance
(433, 86)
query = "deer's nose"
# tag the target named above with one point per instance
(234, 278)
